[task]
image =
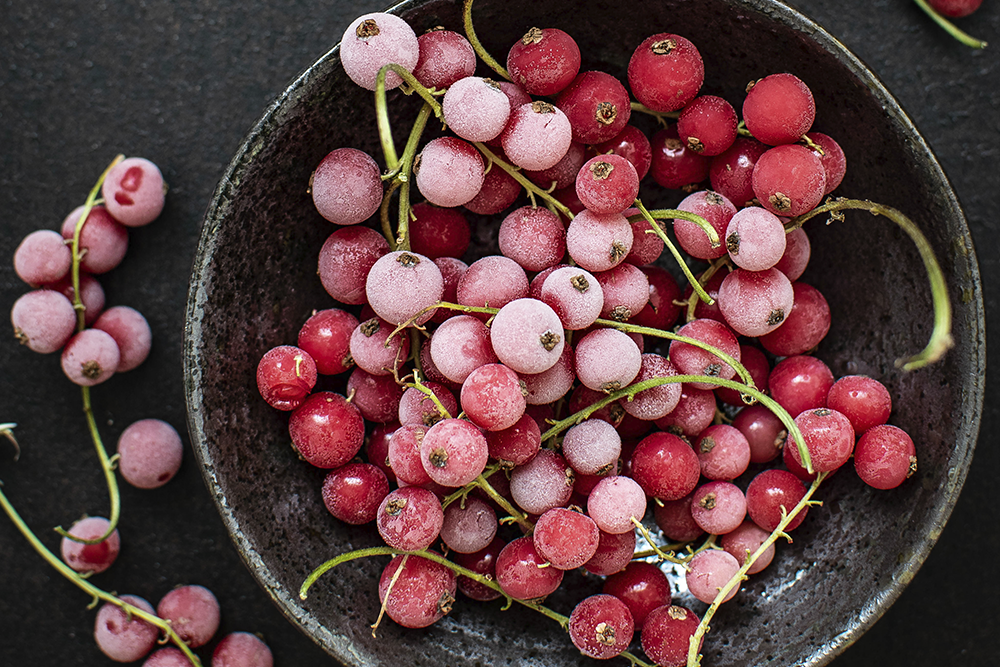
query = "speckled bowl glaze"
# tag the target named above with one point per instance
(254, 283)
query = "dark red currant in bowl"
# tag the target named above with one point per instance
(430, 371)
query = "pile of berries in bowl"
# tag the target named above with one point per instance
(479, 359)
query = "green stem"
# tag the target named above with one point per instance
(674, 213)
(489, 582)
(106, 465)
(383, 213)
(109, 475)
(669, 335)
(463, 492)
(950, 27)
(661, 116)
(403, 177)
(427, 391)
(516, 174)
(668, 556)
(940, 340)
(90, 589)
(713, 268)
(630, 391)
(519, 517)
(470, 34)
(7, 431)
(382, 110)
(75, 246)
(713, 237)
(694, 658)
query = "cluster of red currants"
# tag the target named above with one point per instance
(193, 613)
(97, 343)
(483, 389)
(67, 312)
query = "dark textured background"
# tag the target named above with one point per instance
(181, 83)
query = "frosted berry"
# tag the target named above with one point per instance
(193, 612)
(347, 186)
(90, 357)
(121, 636)
(374, 40)
(475, 108)
(92, 558)
(241, 649)
(134, 192)
(665, 72)
(149, 453)
(445, 57)
(401, 284)
(42, 257)
(44, 320)
(601, 626)
(449, 171)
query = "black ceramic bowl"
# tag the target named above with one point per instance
(254, 284)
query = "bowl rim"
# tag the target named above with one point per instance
(275, 114)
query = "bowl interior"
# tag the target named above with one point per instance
(254, 283)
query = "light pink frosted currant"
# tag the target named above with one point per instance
(575, 295)
(551, 385)
(615, 502)
(592, 447)
(347, 186)
(527, 336)
(537, 136)
(607, 360)
(401, 284)
(533, 236)
(599, 242)
(475, 108)
(449, 172)
(373, 41)
(42, 257)
(134, 192)
(90, 357)
(655, 402)
(755, 239)
(445, 57)
(755, 303)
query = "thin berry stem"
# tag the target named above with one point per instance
(463, 492)
(470, 34)
(489, 582)
(630, 391)
(107, 465)
(402, 241)
(383, 212)
(87, 587)
(88, 205)
(661, 116)
(667, 555)
(940, 340)
(950, 27)
(382, 110)
(427, 391)
(7, 431)
(670, 335)
(692, 301)
(519, 517)
(713, 237)
(694, 657)
(515, 173)
(95, 435)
